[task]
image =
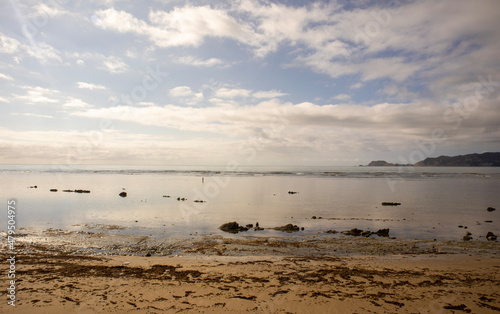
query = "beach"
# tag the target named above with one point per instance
(336, 240)
(62, 271)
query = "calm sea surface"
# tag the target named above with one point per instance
(434, 200)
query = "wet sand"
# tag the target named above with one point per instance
(68, 271)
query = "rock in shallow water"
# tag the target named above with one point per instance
(288, 228)
(467, 236)
(232, 227)
(491, 236)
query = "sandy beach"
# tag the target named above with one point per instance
(61, 271)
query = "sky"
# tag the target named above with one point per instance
(329, 83)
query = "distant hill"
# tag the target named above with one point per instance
(383, 163)
(380, 163)
(470, 160)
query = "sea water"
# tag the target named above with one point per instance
(435, 201)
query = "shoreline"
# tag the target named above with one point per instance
(61, 271)
(105, 242)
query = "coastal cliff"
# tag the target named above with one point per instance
(470, 160)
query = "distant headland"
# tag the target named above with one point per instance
(470, 160)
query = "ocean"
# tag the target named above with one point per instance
(440, 203)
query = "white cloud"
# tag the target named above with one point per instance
(281, 126)
(146, 103)
(36, 95)
(181, 91)
(76, 103)
(277, 24)
(6, 77)
(8, 45)
(114, 65)
(43, 52)
(33, 115)
(42, 9)
(342, 97)
(4, 100)
(186, 95)
(269, 94)
(232, 92)
(90, 86)
(193, 61)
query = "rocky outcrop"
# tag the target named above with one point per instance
(123, 194)
(491, 236)
(332, 231)
(353, 232)
(467, 236)
(288, 228)
(232, 227)
(358, 232)
(490, 209)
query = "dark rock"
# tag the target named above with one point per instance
(148, 254)
(467, 236)
(82, 191)
(313, 217)
(302, 228)
(166, 195)
(232, 227)
(123, 194)
(288, 228)
(292, 192)
(490, 209)
(199, 201)
(383, 232)
(461, 307)
(390, 204)
(353, 232)
(53, 190)
(68, 191)
(332, 231)
(257, 224)
(490, 236)
(249, 226)
(488, 221)
(366, 233)
(460, 226)
(257, 228)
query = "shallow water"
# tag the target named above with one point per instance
(435, 201)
